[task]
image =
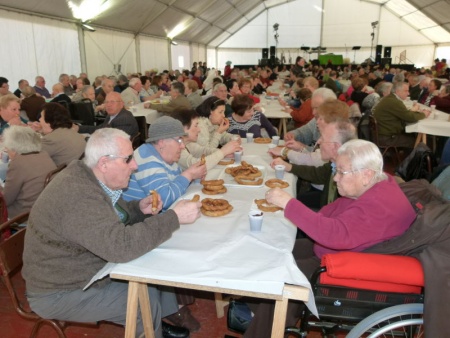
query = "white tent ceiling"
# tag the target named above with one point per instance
(212, 22)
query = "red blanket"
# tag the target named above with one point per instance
(373, 272)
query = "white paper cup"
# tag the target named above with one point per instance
(237, 156)
(249, 137)
(235, 137)
(256, 219)
(279, 171)
(271, 145)
(275, 139)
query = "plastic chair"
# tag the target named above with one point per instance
(11, 252)
(52, 173)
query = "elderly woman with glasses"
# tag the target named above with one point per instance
(158, 167)
(212, 123)
(246, 120)
(27, 170)
(372, 209)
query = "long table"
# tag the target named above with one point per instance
(221, 255)
(274, 110)
(437, 124)
(150, 115)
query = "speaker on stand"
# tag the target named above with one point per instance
(378, 51)
(387, 52)
(273, 51)
(265, 53)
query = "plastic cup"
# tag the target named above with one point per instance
(235, 137)
(5, 157)
(275, 139)
(249, 137)
(256, 219)
(279, 171)
(237, 156)
(271, 146)
(134, 109)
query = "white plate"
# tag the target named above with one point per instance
(230, 182)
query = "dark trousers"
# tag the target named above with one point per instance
(261, 324)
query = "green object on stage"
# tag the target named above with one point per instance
(335, 59)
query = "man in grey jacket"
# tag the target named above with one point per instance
(80, 223)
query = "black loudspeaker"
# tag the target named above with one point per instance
(273, 51)
(265, 53)
(386, 61)
(378, 51)
(387, 52)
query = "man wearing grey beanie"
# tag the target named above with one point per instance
(157, 164)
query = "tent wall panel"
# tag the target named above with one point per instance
(105, 48)
(154, 53)
(34, 46)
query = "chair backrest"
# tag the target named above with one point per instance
(11, 252)
(52, 173)
(3, 218)
(135, 140)
(82, 112)
(373, 128)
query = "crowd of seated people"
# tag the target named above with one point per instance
(205, 113)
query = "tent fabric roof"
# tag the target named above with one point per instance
(211, 22)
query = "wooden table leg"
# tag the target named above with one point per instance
(138, 294)
(280, 127)
(132, 306)
(421, 137)
(279, 318)
(220, 304)
(284, 127)
(146, 312)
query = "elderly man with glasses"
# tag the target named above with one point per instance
(80, 223)
(118, 117)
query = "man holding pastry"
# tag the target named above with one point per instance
(79, 223)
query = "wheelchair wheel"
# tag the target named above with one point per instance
(396, 321)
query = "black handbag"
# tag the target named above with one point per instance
(239, 316)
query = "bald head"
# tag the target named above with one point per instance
(57, 89)
(113, 103)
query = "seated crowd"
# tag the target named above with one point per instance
(107, 181)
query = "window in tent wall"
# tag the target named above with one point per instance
(183, 51)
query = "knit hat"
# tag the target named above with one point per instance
(163, 128)
(228, 63)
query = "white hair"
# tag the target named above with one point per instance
(103, 142)
(21, 140)
(133, 81)
(325, 93)
(364, 155)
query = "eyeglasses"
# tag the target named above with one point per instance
(127, 159)
(179, 140)
(343, 173)
(108, 102)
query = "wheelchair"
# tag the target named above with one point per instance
(366, 295)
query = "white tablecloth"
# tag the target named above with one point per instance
(437, 124)
(150, 114)
(221, 251)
